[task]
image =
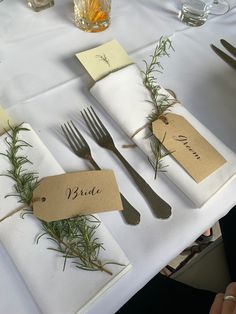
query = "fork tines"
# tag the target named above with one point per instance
(73, 136)
(94, 124)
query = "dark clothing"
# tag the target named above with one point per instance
(228, 230)
(163, 295)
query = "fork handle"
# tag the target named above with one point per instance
(159, 207)
(129, 213)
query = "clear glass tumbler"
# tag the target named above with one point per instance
(195, 12)
(220, 7)
(38, 5)
(92, 15)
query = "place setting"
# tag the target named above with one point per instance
(67, 251)
(150, 115)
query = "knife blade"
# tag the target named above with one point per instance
(229, 47)
(230, 61)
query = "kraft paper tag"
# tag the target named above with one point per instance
(104, 59)
(190, 149)
(4, 121)
(79, 193)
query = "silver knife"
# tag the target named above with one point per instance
(229, 47)
(230, 61)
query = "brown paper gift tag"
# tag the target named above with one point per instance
(190, 149)
(79, 193)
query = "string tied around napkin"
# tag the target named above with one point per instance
(37, 199)
(148, 125)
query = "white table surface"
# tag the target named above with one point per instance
(43, 84)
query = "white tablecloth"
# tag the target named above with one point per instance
(43, 84)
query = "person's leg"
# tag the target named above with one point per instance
(228, 230)
(163, 295)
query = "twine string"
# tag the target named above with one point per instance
(36, 199)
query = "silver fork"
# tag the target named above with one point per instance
(81, 149)
(159, 207)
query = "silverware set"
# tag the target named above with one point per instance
(78, 144)
(227, 58)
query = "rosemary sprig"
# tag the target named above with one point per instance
(74, 238)
(25, 181)
(161, 102)
(159, 154)
(154, 66)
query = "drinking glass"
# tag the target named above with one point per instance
(195, 12)
(38, 5)
(92, 15)
(219, 7)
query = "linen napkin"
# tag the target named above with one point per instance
(124, 97)
(54, 290)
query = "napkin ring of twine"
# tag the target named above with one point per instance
(36, 199)
(148, 125)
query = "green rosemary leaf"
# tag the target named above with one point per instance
(111, 263)
(40, 236)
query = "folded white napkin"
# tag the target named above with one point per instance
(54, 290)
(124, 97)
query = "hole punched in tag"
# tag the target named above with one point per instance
(163, 119)
(37, 199)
